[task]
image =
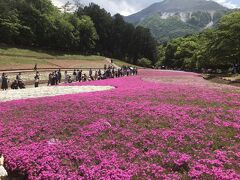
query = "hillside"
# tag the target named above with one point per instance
(13, 60)
(167, 29)
(86, 30)
(25, 58)
(175, 18)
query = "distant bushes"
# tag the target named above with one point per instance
(144, 62)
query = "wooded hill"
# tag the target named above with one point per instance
(170, 19)
(213, 48)
(88, 30)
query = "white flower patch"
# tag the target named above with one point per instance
(53, 141)
(46, 91)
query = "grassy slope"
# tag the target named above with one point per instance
(25, 58)
(38, 54)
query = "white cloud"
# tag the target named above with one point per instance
(126, 7)
(227, 3)
(58, 3)
(123, 7)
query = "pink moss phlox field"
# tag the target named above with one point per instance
(157, 125)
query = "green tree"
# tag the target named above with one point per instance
(143, 45)
(144, 62)
(224, 44)
(12, 29)
(39, 15)
(88, 34)
(63, 36)
(160, 55)
(103, 23)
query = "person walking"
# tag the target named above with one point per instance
(128, 71)
(55, 78)
(74, 75)
(36, 80)
(35, 67)
(113, 72)
(4, 82)
(50, 77)
(59, 76)
(65, 77)
(19, 80)
(135, 71)
(79, 76)
(19, 77)
(96, 75)
(90, 72)
(99, 73)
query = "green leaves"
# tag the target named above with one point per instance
(225, 43)
(39, 23)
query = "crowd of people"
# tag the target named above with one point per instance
(55, 78)
(16, 84)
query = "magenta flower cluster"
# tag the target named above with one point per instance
(158, 125)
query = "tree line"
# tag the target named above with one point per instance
(88, 30)
(216, 48)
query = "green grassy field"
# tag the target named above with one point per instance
(122, 63)
(20, 58)
(43, 54)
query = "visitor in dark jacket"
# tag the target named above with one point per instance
(14, 85)
(4, 82)
(59, 76)
(36, 80)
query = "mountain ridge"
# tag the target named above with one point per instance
(200, 14)
(177, 6)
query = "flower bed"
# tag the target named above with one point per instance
(139, 130)
(45, 91)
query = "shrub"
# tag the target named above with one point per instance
(144, 62)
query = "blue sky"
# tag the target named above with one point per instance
(127, 7)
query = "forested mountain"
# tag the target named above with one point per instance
(175, 18)
(92, 30)
(213, 48)
(89, 30)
